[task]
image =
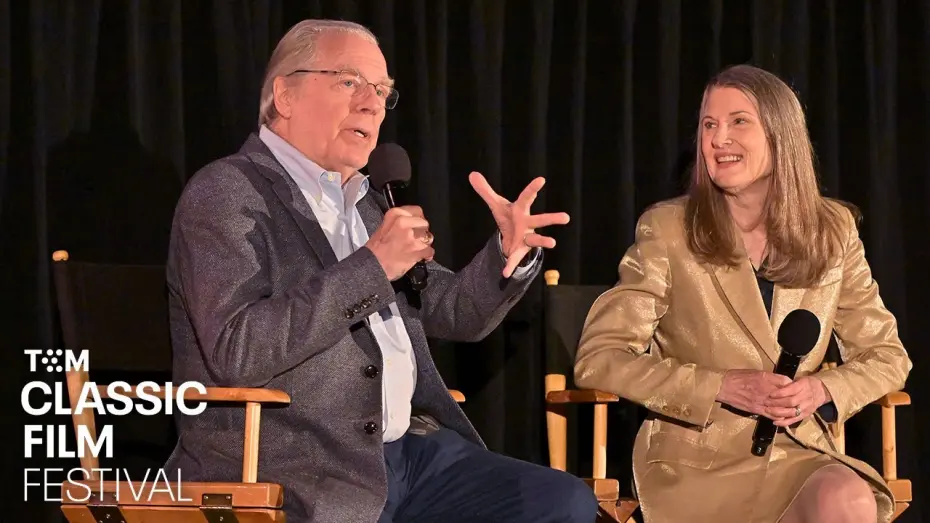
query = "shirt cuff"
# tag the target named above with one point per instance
(528, 263)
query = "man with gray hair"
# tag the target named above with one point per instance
(280, 275)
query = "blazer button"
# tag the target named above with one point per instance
(371, 372)
(349, 314)
(371, 427)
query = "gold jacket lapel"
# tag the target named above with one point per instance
(740, 292)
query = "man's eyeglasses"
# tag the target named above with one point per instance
(358, 85)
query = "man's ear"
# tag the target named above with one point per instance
(282, 97)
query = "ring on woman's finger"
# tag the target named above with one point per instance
(427, 238)
(797, 411)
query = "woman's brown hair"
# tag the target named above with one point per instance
(804, 231)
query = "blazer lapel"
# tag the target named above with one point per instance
(370, 211)
(289, 193)
(740, 291)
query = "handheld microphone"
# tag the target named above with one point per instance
(389, 168)
(797, 335)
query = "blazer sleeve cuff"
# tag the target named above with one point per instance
(699, 407)
(835, 384)
(370, 289)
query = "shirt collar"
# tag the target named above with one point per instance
(305, 172)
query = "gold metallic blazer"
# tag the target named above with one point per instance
(666, 334)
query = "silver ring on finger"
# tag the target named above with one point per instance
(797, 411)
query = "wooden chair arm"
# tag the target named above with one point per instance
(557, 396)
(894, 399)
(253, 399)
(580, 396)
(216, 394)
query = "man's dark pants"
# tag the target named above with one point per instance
(441, 477)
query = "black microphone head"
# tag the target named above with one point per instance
(799, 332)
(388, 163)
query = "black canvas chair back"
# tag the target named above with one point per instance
(566, 308)
(119, 314)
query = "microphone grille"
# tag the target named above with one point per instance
(388, 163)
(799, 332)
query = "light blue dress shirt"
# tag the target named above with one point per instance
(335, 208)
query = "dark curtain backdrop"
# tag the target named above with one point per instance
(107, 108)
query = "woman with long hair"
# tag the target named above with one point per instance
(690, 329)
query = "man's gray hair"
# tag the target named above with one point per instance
(296, 50)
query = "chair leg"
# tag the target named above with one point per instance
(556, 424)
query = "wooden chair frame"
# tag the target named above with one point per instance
(211, 501)
(612, 508)
(607, 490)
(199, 502)
(901, 488)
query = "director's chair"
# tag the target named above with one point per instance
(119, 314)
(565, 308)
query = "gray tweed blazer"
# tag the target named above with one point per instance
(257, 299)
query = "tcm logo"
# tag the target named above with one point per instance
(57, 360)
